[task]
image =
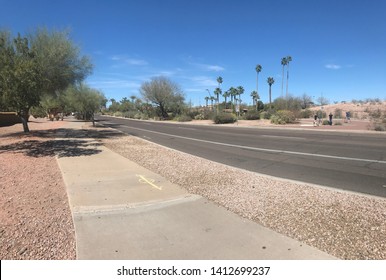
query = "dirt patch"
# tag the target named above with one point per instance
(35, 219)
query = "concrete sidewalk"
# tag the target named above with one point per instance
(124, 211)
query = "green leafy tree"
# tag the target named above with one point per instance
(85, 100)
(21, 76)
(61, 61)
(45, 63)
(166, 95)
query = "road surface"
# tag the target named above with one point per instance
(343, 160)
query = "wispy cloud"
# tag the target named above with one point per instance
(208, 67)
(114, 84)
(130, 61)
(204, 81)
(333, 66)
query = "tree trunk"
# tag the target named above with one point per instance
(24, 119)
(270, 99)
(286, 93)
(163, 111)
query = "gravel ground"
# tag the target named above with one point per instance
(35, 218)
(345, 225)
(36, 222)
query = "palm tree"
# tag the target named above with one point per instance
(289, 59)
(270, 82)
(258, 70)
(225, 95)
(284, 62)
(233, 92)
(211, 101)
(219, 81)
(255, 98)
(217, 92)
(240, 91)
(206, 100)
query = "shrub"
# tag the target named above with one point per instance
(183, 118)
(265, 115)
(305, 114)
(283, 117)
(326, 122)
(379, 127)
(200, 116)
(252, 115)
(224, 118)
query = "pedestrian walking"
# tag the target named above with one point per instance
(315, 120)
(330, 118)
(348, 116)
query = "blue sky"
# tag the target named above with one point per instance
(338, 47)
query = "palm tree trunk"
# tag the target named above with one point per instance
(286, 94)
(270, 99)
(282, 82)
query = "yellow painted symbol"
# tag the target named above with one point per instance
(143, 179)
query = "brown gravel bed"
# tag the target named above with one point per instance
(35, 219)
(345, 225)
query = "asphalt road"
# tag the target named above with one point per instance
(343, 160)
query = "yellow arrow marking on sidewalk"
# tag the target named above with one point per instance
(148, 181)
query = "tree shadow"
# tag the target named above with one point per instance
(50, 148)
(54, 142)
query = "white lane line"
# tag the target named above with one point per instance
(187, 128)
(283, 137)
(261, 149)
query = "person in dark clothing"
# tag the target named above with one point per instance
(315, 119)
(330, 118)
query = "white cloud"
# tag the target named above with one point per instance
(214, 68)
(114, 83)
(130, 61)
(204, 81)
(139, 62)
(333, 66)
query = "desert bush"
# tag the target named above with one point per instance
(118, 114)
(252, 115)
(266, 115)
(305, 114)
(200, 116)
(183, 118)
(224, 118)
(283, 117)
(193, 114)
(326, 122)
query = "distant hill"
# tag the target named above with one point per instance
(358, 109)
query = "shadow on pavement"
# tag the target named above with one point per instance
(61, 148)
(78, 144)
